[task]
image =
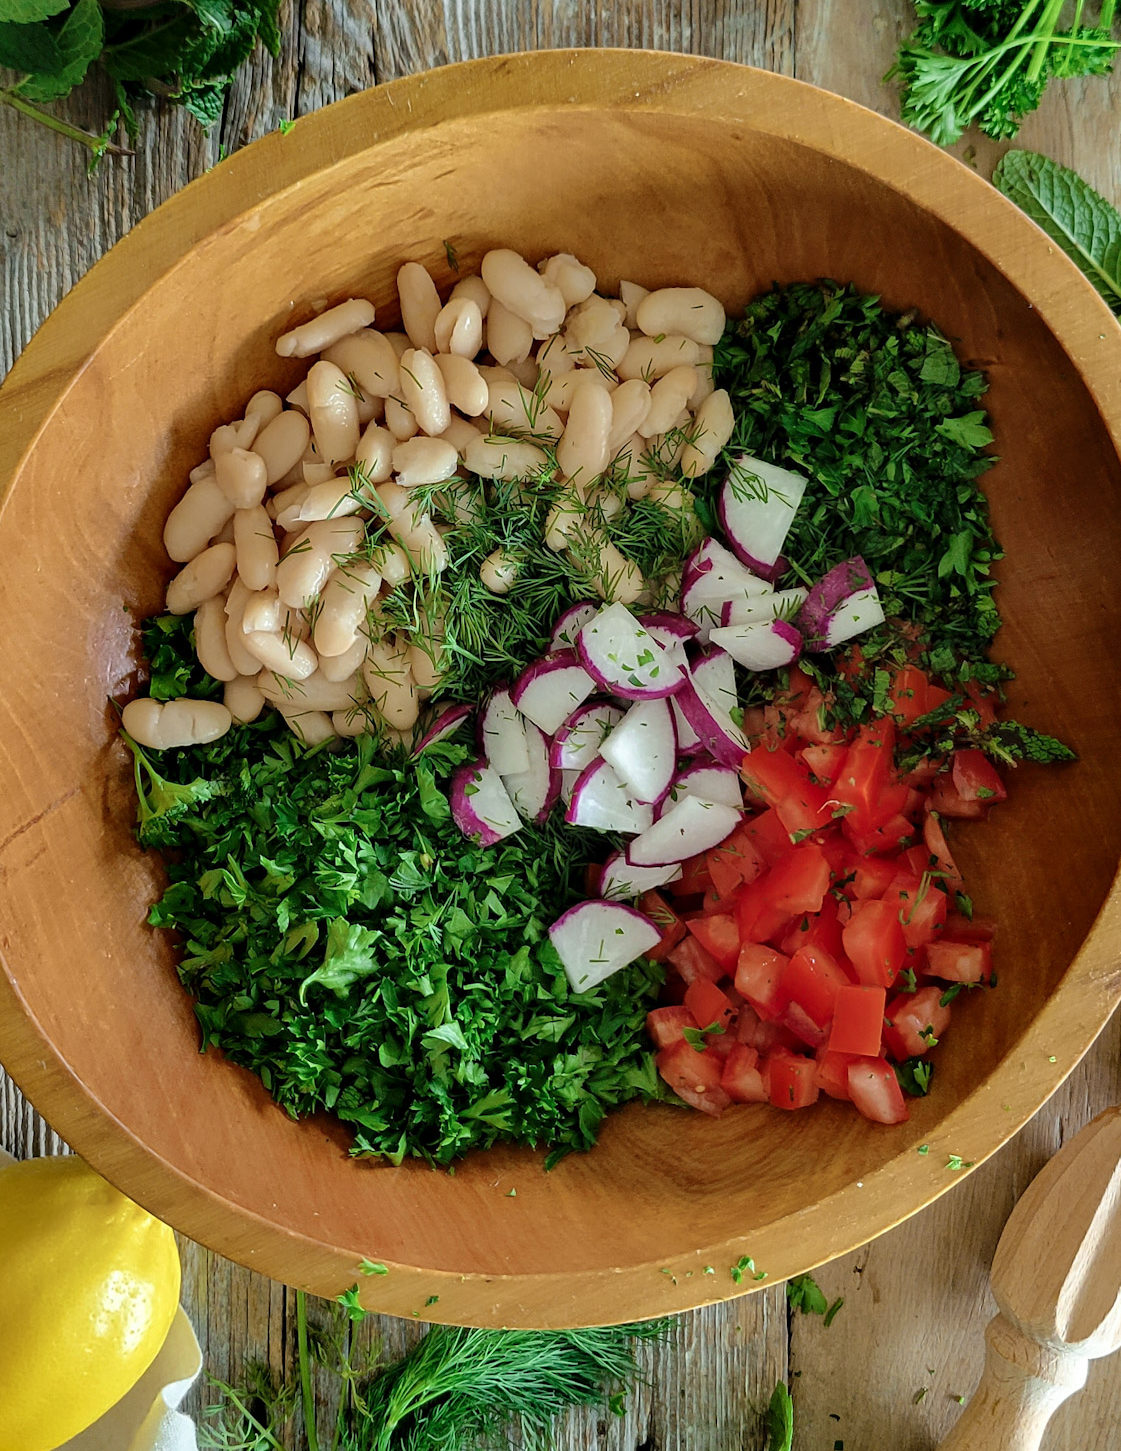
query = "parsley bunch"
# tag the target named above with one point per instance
(987, 63)
(183, 50)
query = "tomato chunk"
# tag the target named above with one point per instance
(832, 1073)
(694, 1076)
(947, 800)
(784, 783)
(668, 923)
(719, 936)
(922, 909)
(874, 1089)
(812, 979)
(800, 881)
(767, 835)
(667, 1025)
(824, 761)
(858, 1021)
(959, 961)
(792, 1081)
(915, 1023)
(759, 970)
(692, 961)
(741, 1079)
(866, 772)
(874, 943)
(694, 879)
(736, 861)
(708, 1004)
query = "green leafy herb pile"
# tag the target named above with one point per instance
(184, 50)
(347, 943)
(987, 63)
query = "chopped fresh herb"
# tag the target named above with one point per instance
(914, 1077)
(923, 1149)
(831, 1313)
(452, 256)
(373, 1267)
(804, 1293)
(695, 1037)
(919, 1396)
(745, 1265)
(432, 1300)
(780, 1420)
(285, 126)
(349, 1301)
(955, 1163)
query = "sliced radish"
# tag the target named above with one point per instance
(757, 505)
(861, 611)
(619, 879)
(568, 780)
(712, 579)
(843, 603)
(711, 720)
(625, 658)
(595, 939)
(761, 646)
(688, 741)
(445, 724)
(714, 671)
(502, 734)
(549, 690)
(671, 632)
(601, 800)
(569, 625)
(480, 805)
(689, 828)
(577, 743)
(707, 783)
(533, 791)
(643, 749)
(783, 604)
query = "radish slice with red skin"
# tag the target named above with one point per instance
(687, 829)
(595, 939)
(619, 880)
(757, 505)
(671, 632)
(502, 736)
(534, 791)
(688, 741)
(712, 579)
(446, 724)
(549, 690)
(577, 743)
(847, 590)
(601, 801)
(569, 625)
(718, 733)
(762, 609)
(568, 780)
(761, 646)
(481, 807)
(714, 671)
(625, 658)
(861, 611)
(707, 783)
(643, 749)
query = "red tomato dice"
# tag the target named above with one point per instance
(719, 936)
(858, 1021)
(694, 879)
(667, 1025)
(692, 961)
(735, 861)
(832, 1073)
(799, 882)
(767, 835)
(864, 777)
(694, 1077)
(757, 919)
(708, 1004)
(947, 800)
(792, 1081)
(812, 979)
(824, 761)
(784, 783)
(874, 1089)
(915, 1022)
(759, 970)
(666, 920)
(874, 943)
(975, 778)
(922, 909)
(959, 961)
(871, 877)
(741, 1079)
(934, 839)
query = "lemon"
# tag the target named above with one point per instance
(89, 1284)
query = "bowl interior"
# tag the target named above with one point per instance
(660, 197)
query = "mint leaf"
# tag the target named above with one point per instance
(79, 43)
(24, 12)
(1076, 217)
(30, 49)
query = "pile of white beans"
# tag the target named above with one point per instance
(523, 374)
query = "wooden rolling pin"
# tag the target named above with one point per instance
(1057, 1280)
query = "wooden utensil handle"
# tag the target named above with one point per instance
(1021, 1386)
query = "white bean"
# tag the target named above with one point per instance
(582, 451)
(286, 500)
(474, 288)
(242, 477)
(236, 602)
(370, 359)
(262, 612)
(595, 331)
(257, 551)
(204, 470)
(281, 443)
(498, 571)
(317, 473)
(392, 561)
(413, 529)
(229, 436)
(669, 494)
(225, 535)
(374, 457)
(243, 700)
(554, 359)
(569, 276)
(526, 372)
(263, 407)
(611, 574)
(505, 458)
(664, 451)
(198, 516)
(343, 604)
(631, 294)
(509, 338)
(667, 401)
(423, 391)
(690, 311)
(283, 655)
(173, 724)
(711, 431)
(420, 305)
(465, 386)
(427, 660)
(650, 358)
(567, 512)
(459, 433)
(513, 409)
(705, 388)
(314, 693)
(522, 291)
(298, 397)
(630, 404)
(389, 679)
(294, 624)
(334, 498)
(312, 727)
(334, 412)
(303, 569)
(400, 420)
(561, 389)
(459, 327)
(424, 461)
(210, 639)
(634, 463)
(327, 328)
(207, 574)
(399, 342)
(491, 374)
(350, 723)
(342, 667)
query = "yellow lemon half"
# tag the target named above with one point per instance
(89, 1284)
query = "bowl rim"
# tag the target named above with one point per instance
(626, 81)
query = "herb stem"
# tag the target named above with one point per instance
(305, 1371)
(10, 96)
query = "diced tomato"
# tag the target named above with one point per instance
(909, 686)
(798, 1022)
(667, 1025)
(741, 1079)
(792, 1081)
(975, 778)
(693, 962)
(887, 836)
(812, 979)
(694, 879)
(666, 920)
(982, 701)
(712, 902)
(969, 929)
(959, 961)
(694, 1076)
(673, 986)
(758, 972)
(722, 1043)
(858, 1021)
(757, 919)
(871, 877)
(708, 1004)
(866, 772)
(767, 835)
(874, 943)
(934, 839)
(819, 929)
(947, 800)
(736, 861)
(874, 1089)
(832, 1073)
(824, 761)
(799, 882)
(778, 734)
(719, 936)
(915, 1022)
(922, 908)
(784, 783)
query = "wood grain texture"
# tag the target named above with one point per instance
(916, 1299)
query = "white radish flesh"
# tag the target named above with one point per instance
(757, 505)
(481, 807)
(686, 830)
(569, 625)
(760, 646)
(708, 783)
(550, 690)
(619, 879)
(625, 658)
(576, 745)
(533, 791)
(502, 735)
(643, 749)
(595, 939)
(601, 801)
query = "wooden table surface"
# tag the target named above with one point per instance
(908, 1342)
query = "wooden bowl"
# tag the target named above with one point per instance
(654, 167)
